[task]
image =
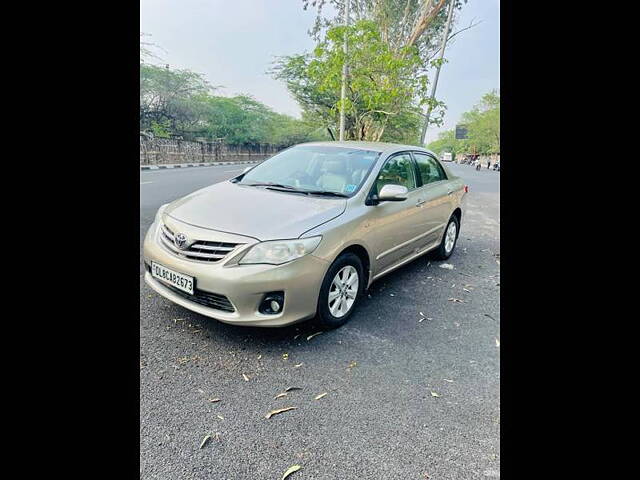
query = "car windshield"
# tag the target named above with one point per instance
(314, 169)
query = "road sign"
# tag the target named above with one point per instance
(461, 132)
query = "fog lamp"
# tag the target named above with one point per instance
(272, 303)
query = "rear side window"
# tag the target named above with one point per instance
(430, 170)
(398, 170)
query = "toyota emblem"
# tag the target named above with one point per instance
(180, 240)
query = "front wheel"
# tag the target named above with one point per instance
(449, 239)
(340, 291)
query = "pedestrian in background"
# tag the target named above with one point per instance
(488, 164)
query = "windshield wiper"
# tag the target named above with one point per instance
(277, 186)
(327, 193)
(289, 188)
(269, 184)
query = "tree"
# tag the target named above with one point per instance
(402, 23)
(391, 48)
(384, 86)
(483, 127)
(167, 97)
(446, 143)
(180, 102)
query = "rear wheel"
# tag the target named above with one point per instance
(449, 239)
(340, 291)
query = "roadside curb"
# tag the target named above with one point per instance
(187, 165)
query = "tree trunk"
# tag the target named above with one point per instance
(427, 16)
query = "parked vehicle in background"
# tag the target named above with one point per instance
(496, 166)
(447, 157)
(304, 233)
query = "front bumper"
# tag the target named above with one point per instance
(244, 285)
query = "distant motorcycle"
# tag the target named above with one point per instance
(496, 167)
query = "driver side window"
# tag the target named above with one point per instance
(397, 171)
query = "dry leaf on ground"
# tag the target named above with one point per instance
(456, 300)
(497, 342)
(447, 266)
(280, 395)
(279, 410)
(214, 400)
(314, 335)
(204, 441)
(318, 397)
(290, 470)
(434, 394)
(298, 365)
(246, 379)
(289, 389)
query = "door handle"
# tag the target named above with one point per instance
(420, 202)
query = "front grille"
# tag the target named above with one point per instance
(211, 300)
(200, 250)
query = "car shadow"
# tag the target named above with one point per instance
(297, 334)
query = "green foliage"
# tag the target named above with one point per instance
(483, 124)
(167, 97)
(181, 102)
(242, 119)
(384, 88)
(446, 143)
(391, 47)
(160, 130)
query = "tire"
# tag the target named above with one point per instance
(441, 253)
(345, 265)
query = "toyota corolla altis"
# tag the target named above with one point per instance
(304, 233)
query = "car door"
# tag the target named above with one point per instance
(394, 226)
(435, 192)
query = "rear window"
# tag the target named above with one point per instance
(430, 170)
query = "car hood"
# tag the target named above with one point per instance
(254, 211)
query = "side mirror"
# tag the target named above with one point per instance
(393, 193)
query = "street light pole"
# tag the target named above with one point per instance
(423, 137)
(343, 93)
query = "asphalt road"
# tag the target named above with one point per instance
(380, 418)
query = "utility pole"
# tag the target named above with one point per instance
(423, 137)
(343, 93)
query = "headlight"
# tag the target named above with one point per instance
(278, 252)
(159, 212)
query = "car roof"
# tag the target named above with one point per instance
(375, 146)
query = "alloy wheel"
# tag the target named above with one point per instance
(450, 237)
(343, 291)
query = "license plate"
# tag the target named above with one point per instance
(179, 280)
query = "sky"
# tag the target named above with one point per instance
(233, 42)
